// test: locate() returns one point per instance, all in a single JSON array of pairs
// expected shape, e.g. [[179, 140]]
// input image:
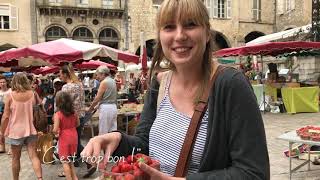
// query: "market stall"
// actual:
[[274, 49], [303, 99]]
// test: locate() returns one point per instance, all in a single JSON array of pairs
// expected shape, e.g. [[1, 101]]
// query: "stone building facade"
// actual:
[[16, 19], [97, 21], [119, 23], [292, 13]]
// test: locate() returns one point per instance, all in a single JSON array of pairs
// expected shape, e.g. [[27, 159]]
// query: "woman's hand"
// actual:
[[107, 142], [157, 175]]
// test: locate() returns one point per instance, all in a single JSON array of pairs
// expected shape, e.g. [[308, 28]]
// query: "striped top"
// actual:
[[167, 136]]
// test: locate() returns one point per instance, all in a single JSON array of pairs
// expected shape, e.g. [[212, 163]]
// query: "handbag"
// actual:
[[192, 132], [40, 120], [45, 148]]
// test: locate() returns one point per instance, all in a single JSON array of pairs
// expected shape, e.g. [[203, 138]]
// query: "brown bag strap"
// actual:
[[192, 132]]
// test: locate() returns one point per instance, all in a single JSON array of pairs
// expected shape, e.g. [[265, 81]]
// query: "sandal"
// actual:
[[61, 174], [40, 178]]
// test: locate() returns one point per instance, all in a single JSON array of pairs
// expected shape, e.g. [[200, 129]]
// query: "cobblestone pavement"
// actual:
[[275, 125]]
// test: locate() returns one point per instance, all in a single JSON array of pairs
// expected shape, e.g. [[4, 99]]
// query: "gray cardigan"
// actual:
[[236, 145]]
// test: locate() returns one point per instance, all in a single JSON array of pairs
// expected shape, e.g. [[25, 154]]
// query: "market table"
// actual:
[[301, 99], [258, 91], [292, 137], [127, 114]]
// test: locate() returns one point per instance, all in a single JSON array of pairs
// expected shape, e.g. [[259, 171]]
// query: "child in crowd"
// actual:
[[48, 102], [65, 123]]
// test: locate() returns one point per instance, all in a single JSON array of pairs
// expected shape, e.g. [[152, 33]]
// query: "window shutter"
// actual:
[[293, 4], [13, 18], [208, 5], [215, 8], [228, 8], [280, 6]]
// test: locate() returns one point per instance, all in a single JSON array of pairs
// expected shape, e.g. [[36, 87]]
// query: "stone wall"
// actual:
[[299, 16], [22, 36]]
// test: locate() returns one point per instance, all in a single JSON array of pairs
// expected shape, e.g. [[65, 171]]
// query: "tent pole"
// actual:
[[263, 91]]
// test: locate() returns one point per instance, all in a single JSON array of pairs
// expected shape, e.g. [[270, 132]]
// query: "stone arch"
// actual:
[[6, 46], [109, 36], [220, 40], [253, 35], [61, 31], [88, 34], [149, 45]]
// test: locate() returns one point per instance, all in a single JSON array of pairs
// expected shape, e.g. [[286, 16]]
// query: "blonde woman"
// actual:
[[17, 123], [230, 143]]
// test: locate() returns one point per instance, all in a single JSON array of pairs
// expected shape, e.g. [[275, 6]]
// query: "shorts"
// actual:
[[22, 141]]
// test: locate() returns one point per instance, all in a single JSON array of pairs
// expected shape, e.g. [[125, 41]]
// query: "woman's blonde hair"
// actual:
[[186, 10], [69, 72], [20, 82]]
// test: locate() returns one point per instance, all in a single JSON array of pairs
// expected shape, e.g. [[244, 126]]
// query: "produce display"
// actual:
[[309, 133], [128, 168], [130, 107]]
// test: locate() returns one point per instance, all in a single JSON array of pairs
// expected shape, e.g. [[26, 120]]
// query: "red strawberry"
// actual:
[[116, 169], [130, 159], [128, 177], [126, 168], [144, 159], [139, 155]]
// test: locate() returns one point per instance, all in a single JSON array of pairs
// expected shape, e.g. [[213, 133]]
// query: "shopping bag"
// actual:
[[45, 148]]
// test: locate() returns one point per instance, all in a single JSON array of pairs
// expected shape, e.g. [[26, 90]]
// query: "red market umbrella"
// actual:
[[63, 50], [93, 65], [269, 49], [46, 70]]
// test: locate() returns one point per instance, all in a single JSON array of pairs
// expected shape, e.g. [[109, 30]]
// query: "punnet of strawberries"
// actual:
[[128, 168], [309, 133]]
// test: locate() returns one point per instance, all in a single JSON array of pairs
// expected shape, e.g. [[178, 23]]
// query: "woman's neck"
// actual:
[[188, 77], [69, 81]]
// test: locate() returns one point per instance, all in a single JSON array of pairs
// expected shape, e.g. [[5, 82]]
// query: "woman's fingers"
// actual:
[[88, 150]]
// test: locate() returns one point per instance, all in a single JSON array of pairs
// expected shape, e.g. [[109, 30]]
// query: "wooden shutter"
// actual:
[[208, 5], [13, 18], [215, 8], [293, 4], [228, 8]]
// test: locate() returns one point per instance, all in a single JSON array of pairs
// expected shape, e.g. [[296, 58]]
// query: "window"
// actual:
[[109, 37], [55, 1], [8, 17], [256, 10], [107, 3], [83, 34], [83, 2], [156, 3], [290, 5], [54, 33], [219, 8]]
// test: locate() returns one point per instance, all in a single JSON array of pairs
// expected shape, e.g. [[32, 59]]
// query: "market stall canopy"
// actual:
[[280, 35], [63, 50], [46, 70], [93, 65], [269, 49]]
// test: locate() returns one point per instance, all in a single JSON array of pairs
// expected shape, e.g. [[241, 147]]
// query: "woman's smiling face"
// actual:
[[183, 42]]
